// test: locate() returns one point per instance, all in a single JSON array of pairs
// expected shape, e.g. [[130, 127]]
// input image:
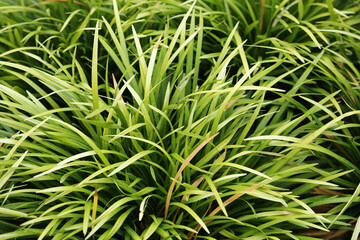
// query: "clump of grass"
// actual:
[[136, 120]]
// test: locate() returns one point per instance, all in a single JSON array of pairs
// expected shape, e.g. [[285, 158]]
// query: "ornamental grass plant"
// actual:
[[174, 119]]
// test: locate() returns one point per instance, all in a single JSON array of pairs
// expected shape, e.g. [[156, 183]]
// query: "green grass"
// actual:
[[161, 120]]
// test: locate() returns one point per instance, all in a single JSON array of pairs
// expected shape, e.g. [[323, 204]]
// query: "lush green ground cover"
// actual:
[[204, 119]]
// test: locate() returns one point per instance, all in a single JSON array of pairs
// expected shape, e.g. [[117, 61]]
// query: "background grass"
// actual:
[[179, 120]]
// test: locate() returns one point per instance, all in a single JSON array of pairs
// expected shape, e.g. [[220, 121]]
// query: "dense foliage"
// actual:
[[131, 119]]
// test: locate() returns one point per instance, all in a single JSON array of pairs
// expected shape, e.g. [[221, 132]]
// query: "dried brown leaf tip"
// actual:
[[324, 191], [182, 167]]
